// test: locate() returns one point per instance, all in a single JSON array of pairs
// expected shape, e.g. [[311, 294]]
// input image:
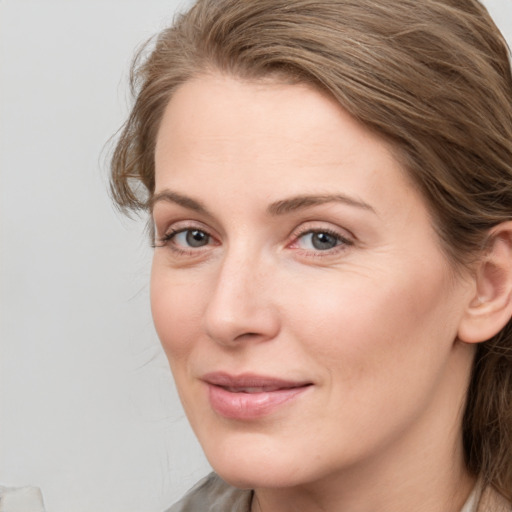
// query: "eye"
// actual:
[[320, 240], [191, 238], [182, 240]]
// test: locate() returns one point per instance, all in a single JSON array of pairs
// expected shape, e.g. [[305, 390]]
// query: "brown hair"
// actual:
[[432, 77]]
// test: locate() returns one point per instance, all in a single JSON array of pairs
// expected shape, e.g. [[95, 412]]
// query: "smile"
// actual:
[[249, 397], [252, 389]]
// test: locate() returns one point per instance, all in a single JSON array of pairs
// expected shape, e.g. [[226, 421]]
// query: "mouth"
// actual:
[[259, 389], [248, 396]]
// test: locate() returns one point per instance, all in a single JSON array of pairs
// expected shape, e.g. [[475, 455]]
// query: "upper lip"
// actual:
[[251, 380]]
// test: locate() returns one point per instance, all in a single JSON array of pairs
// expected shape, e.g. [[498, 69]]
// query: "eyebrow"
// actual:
[[173, 197], [306, 201], [277, 208]]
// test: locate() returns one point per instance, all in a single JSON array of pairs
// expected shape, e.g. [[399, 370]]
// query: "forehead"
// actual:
[[228, 125], [237, 148]]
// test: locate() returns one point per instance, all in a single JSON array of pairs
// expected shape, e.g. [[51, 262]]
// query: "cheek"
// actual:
[[365, 324], [176, 309]]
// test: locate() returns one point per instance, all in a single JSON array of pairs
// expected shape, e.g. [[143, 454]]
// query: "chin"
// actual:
[[266, 476], [257, 463]]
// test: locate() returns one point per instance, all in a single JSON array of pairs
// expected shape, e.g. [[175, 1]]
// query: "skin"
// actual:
[[371, 322]]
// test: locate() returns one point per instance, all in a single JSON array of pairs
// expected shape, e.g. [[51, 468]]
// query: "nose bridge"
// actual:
[[240, 304]]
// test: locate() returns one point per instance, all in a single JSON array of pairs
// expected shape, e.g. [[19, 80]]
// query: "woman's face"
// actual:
[[299, 289]]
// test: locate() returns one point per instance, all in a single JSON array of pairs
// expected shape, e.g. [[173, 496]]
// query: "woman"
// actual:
[[330, 186]]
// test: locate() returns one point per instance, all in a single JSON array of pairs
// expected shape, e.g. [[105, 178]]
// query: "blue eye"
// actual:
[[319, 240], [191, 238]]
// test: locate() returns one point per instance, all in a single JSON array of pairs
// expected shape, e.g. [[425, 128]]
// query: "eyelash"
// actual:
[[342, 241], [164, 241], [341, 245]]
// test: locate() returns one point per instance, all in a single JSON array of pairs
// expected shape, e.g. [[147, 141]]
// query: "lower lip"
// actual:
[[250, 406]]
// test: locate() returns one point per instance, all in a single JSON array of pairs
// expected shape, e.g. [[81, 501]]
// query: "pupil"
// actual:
[[196, 238], [323, 241]]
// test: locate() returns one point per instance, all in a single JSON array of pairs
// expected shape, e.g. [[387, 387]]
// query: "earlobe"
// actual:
[[490, 308]]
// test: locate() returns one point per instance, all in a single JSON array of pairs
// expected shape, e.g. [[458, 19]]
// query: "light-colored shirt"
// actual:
[[212, 494]]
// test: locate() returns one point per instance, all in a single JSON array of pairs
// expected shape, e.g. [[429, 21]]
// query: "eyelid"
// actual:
[[346, 237], [174, 228]]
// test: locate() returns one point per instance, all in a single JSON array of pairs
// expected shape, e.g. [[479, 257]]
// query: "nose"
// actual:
[[241, 306]]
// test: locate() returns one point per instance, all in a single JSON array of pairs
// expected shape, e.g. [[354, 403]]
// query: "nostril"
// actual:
[[247, 335]]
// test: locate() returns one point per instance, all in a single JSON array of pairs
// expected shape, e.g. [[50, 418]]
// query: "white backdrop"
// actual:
[[88, 411]]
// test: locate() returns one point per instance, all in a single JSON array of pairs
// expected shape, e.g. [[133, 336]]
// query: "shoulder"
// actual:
[[212, 494], [492, 501]]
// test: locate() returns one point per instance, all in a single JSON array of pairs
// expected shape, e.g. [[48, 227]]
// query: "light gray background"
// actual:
[[88, 411]]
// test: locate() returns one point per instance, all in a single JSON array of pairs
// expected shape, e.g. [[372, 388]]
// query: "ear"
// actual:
[[490, 308]]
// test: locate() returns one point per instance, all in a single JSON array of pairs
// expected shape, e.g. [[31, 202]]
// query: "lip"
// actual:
[[250, 396]]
